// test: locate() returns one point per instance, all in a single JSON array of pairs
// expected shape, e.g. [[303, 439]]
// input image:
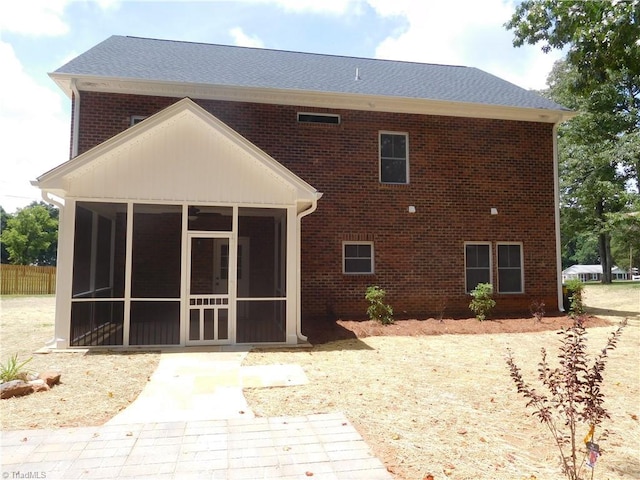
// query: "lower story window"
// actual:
[[510, 268], [477, 259], [357, 257]]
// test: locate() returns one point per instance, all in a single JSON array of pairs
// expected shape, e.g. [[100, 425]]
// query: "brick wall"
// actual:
[[459, 169]]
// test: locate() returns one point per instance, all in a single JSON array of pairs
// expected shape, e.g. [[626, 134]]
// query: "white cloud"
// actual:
[[35, 131], [243, 40], [34, 17], [325, 7], [465, 32]]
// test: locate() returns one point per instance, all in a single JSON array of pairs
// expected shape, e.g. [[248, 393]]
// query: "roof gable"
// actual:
[[182, 153], [123, 63]]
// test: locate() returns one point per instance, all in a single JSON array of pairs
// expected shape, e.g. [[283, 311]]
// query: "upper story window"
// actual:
[[510, 274], [394, 157]]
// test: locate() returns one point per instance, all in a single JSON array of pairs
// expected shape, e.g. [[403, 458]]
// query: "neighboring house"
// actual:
[[222, 194], [592, 273]]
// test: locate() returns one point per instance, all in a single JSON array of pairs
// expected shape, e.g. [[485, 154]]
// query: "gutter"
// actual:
[[556, 194], [75, 127], [301, 215]]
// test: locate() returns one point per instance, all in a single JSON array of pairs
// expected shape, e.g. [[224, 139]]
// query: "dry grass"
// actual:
[[428, 404], [95, 386], [446, 405]]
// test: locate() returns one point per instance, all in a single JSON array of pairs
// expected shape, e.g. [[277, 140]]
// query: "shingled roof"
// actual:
[[172, 62]]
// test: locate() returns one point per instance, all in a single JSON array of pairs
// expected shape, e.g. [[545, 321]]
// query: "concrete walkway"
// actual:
[[192, 421]]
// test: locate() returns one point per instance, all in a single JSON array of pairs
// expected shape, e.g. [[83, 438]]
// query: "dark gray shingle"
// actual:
[[198, 63]]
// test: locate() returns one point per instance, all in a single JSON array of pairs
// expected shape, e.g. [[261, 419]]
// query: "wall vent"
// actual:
[[326, 118]]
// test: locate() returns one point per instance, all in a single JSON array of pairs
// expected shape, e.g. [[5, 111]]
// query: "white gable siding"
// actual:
[[182, 159]]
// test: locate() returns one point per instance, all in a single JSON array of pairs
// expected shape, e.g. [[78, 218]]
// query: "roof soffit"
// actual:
[[310, 99]]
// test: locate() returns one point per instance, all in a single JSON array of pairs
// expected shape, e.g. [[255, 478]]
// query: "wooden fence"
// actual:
[[27, 280]]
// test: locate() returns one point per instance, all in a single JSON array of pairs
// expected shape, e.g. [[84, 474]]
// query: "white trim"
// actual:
[[488, 244], [355, 242], [556, 198], [520, 244], [406, 172], [337, 100]]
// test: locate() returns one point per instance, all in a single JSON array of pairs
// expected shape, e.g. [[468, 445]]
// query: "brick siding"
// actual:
[[459, 169]]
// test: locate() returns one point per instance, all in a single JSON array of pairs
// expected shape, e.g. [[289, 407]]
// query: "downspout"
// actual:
[[556, 192], [301, 215], [75, 127]]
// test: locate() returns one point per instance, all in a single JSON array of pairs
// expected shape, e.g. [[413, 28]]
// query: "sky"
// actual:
[[39, 36]]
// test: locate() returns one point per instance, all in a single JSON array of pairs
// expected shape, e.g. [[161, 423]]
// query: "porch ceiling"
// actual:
[[183, 153]]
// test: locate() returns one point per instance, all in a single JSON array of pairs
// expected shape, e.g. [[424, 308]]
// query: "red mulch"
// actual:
[[323, 331]]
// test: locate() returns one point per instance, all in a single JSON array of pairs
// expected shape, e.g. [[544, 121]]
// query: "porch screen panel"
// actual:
[[210, 219], [261, 275], [261, 321], [99, 250], [156, 251], [96, 323], [154, 323], [97, 303]]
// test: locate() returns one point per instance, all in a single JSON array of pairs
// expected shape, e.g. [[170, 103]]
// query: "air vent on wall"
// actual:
[[326, 118]]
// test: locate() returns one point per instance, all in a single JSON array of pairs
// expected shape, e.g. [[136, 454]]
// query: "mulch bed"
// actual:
[[324, 331]]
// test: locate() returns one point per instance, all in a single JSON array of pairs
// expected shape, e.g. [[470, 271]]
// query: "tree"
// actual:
[[599, 151], [4, 255], [31, 235], [601, 36]]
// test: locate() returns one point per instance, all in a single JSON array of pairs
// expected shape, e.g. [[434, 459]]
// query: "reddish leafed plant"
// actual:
[[573, 397]]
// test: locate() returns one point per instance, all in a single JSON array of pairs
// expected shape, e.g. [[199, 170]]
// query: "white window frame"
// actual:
[[344, 257], [498, 245], [136, 119], [490, 267], [406, 158]]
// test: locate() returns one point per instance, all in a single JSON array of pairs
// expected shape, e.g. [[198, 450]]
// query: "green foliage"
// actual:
[[482, 302], [14, 370], [378, 310], [599, 150], [600, 35], [30, 236], [574, 404], [575, 291], [4, 255]]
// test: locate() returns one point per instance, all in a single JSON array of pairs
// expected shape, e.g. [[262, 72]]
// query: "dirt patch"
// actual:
[[94, 386], [436, 397]]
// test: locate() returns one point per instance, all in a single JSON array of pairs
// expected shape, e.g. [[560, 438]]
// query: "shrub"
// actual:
[[575, 289], [574, 399], [482, 302], [378, 310], [537, 310], [13, 370]]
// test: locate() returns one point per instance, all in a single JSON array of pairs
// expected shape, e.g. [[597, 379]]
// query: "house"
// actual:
[[592, 273], [230, 195]]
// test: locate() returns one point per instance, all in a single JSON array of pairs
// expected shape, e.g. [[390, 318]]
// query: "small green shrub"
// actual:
[[575, 290], [482, 302], [537, 310], [378, 310], [14, 370]]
